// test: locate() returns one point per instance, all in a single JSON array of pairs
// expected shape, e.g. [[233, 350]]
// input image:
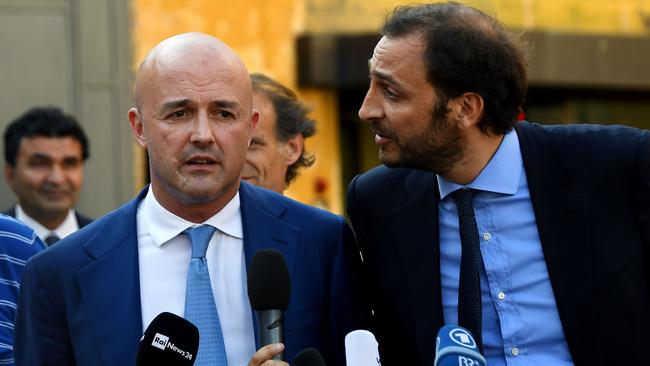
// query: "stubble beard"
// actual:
[[437, 149]]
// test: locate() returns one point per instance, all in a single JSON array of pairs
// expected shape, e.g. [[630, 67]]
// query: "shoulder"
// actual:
[[82, 219], [17, 239], [90, 241], [582, 133], [284, 207], [389, 185]]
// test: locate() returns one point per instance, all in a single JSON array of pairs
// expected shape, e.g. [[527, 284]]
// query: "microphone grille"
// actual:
[[268, 281]]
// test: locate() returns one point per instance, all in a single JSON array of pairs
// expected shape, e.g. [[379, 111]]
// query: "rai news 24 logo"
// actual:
[[162, 342]]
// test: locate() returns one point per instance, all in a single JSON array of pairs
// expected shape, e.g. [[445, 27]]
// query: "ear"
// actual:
[[467, 109], [293, 149], [9, 175], [255, 118], [135, 118]]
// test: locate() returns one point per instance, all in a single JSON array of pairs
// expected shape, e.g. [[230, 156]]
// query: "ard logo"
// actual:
[[462, 337]]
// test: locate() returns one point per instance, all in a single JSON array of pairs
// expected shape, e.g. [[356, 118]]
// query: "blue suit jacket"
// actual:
[[80, 299]]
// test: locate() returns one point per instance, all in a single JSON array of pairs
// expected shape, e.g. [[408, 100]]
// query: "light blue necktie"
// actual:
[[200, 308]]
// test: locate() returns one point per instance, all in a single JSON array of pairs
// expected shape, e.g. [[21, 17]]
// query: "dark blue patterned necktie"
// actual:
[[469, 287]]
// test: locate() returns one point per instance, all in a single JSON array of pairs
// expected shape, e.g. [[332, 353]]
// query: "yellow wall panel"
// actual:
[[607, 16]]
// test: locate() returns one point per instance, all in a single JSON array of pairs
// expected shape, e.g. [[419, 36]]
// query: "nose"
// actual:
[[56, 175], [202, 130], [371, 108]]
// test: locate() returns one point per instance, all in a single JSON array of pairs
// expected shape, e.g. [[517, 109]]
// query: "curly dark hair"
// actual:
[[468, 51], [42, 122], [292, 118]]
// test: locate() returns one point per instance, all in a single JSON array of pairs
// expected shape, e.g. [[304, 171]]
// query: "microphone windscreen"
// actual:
[[168, 340], [456, 346], [361, 349], [268, 281], [308, 357]]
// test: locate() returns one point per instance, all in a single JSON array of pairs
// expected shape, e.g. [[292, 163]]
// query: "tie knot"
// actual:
[[200, 237], [51, 239], [463, 198]]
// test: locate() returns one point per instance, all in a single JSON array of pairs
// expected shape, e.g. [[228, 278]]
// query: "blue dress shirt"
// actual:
[[521, 323]]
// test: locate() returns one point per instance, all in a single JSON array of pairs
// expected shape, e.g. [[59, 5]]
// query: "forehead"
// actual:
[[400, 57], [51, 146], [268, 116], [197, 80]]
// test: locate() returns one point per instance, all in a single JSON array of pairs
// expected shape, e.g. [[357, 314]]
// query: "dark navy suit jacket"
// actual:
[[80, 299], [590, 190]]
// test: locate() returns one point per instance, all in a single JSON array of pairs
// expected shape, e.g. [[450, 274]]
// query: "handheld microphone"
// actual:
[[361, 349], [308, 357], [168, 340], [456, 346], [268, 291]]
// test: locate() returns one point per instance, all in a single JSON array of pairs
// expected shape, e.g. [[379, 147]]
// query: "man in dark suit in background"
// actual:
[[45, 151], [536, 238], [86, 300]]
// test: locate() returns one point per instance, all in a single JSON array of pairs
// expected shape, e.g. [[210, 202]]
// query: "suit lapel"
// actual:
[[263, 229], [110, 287], [416, 223], [560, 212]]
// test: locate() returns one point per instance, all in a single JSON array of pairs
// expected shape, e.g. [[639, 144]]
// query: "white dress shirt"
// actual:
[[67, 227], [164, 257]]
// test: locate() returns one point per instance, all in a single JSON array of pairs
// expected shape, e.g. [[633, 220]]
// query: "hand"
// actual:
[[264, 355]]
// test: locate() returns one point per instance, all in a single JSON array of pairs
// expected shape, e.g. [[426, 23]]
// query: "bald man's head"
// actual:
[[186, 51], [194, 116]]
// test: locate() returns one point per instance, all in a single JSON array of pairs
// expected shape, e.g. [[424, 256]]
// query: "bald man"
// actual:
[[87, 300]]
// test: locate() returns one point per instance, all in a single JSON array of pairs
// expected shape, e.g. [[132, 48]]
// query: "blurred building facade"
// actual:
[[589, 63]]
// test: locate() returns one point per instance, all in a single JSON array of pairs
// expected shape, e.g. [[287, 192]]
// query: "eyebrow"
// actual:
[[39, 155], [382, 75], [175, 104], [225, 104]]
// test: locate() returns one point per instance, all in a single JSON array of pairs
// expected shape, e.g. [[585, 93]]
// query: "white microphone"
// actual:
[[361, 349]]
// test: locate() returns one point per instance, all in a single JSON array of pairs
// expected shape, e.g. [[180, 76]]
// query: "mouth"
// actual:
[[201, 162], [55, 195], [380, 136]]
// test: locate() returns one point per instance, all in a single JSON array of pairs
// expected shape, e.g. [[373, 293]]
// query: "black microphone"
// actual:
[[268, 291], [169, 340], [308, 357]]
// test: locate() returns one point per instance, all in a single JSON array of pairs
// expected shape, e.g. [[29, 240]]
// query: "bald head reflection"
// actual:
[[188, 51]]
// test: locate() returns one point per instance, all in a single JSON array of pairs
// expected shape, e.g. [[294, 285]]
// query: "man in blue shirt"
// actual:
[[17, 244], [554, 227]]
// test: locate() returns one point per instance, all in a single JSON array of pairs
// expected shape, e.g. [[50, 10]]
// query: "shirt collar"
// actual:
[[500, 175], [163, 225], [67, 227]]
